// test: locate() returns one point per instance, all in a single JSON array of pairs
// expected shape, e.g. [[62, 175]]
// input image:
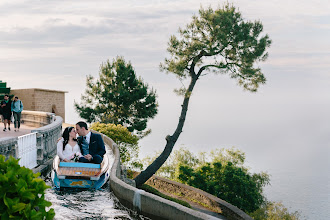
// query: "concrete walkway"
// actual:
[[23, 130]]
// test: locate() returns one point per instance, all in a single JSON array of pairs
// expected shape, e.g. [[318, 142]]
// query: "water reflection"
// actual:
[[88, 204]]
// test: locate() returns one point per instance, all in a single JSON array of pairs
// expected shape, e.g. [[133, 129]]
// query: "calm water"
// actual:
[[304, 186]]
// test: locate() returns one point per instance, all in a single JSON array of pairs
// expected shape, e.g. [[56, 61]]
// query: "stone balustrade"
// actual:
[[47, 137], [8, 147], [48, 131], [37, 119]]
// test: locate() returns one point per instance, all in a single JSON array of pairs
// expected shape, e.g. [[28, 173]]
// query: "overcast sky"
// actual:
[[55, 44]]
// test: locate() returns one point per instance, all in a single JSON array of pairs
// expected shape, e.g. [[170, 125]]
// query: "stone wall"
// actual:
[[36, 119], [146, 203], [230, 211], [46, 139], [42, 100], [8, 147]]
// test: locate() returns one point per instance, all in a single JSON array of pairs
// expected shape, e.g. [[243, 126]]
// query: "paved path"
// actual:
[[23, 130]]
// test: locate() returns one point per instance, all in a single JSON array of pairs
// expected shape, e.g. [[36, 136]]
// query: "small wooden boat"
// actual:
[[80, 175]]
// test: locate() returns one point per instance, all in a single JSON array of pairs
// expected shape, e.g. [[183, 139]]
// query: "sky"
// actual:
[[285, 125]]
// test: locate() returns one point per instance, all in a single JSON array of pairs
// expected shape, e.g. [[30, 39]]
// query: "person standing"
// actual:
[[91, 144], [6, 112], [17, 108]]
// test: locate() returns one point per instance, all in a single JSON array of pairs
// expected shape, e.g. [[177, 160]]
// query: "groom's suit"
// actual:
[[96, 148]]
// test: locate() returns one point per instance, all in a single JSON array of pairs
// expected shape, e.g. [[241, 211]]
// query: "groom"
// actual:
[[91, 144]]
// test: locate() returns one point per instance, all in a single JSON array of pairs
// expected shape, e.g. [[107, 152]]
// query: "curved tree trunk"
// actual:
[[170, 140]]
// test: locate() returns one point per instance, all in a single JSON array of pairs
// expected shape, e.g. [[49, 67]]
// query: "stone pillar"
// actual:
[[47, 137], [8, 147]]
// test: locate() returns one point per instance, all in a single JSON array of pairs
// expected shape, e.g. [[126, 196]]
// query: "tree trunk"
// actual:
[[170, 140]]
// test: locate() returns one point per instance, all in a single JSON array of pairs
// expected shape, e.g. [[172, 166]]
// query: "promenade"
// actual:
[[22, 131]]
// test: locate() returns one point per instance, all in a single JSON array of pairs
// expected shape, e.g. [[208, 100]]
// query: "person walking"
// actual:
[[6, 112], [17, 108]]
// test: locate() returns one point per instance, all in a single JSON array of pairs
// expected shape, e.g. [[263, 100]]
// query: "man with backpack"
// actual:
[[17, 108]]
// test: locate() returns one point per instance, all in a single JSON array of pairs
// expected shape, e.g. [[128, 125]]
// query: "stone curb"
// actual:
[[44, 169], [146, 203]]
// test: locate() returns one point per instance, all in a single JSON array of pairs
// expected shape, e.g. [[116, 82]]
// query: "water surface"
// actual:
[[88, 204]]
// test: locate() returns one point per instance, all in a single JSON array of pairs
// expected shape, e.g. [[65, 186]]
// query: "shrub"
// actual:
[[228, 182], [274, 211], [126, 141], [222, 174], [22, 193]]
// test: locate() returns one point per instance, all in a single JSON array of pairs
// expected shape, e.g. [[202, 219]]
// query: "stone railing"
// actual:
[[146, 203], [8, 147], [37, 119], [50, 127], [47, 137]]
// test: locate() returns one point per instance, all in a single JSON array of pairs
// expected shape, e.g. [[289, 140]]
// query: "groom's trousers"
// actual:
[[96, 159]]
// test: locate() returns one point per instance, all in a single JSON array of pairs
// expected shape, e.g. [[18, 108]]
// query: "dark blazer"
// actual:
[[96, 145]]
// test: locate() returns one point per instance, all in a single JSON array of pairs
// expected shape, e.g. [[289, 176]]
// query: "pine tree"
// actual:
[[118, 97], [217, 41]]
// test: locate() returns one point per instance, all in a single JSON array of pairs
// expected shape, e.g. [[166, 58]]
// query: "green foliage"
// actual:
[[228, 182], [22, 193], [170, 168], [118, 97], [118, 133], [219, 41], [126, 141], [154, 191], [274, 211], [221, 173], [232, 155]]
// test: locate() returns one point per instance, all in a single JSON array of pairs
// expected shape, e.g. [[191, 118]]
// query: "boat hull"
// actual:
[[79, 183], [79, 175]]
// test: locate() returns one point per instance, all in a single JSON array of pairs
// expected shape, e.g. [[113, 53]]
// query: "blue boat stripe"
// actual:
[[84, 165]]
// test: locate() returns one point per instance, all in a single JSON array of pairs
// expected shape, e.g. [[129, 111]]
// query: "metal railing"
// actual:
[[27, 150]]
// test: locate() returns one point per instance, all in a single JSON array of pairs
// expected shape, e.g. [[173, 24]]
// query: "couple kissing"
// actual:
[[88, 147]]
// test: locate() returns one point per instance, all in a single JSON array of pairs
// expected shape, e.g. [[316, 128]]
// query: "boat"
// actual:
[[80, 175]]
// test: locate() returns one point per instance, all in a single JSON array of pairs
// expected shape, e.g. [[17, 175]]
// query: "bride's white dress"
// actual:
[[68, 152]]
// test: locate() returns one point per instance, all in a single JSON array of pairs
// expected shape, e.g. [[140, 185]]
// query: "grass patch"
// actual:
[[205, 205], [154, 191]]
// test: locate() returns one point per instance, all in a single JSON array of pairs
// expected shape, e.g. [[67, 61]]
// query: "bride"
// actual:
[[67, 147]]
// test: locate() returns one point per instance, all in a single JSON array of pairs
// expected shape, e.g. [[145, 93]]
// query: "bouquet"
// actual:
[[75, 157]]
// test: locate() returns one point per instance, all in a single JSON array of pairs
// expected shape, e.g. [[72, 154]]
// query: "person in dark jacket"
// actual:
[[91, 144], [6, 112]]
